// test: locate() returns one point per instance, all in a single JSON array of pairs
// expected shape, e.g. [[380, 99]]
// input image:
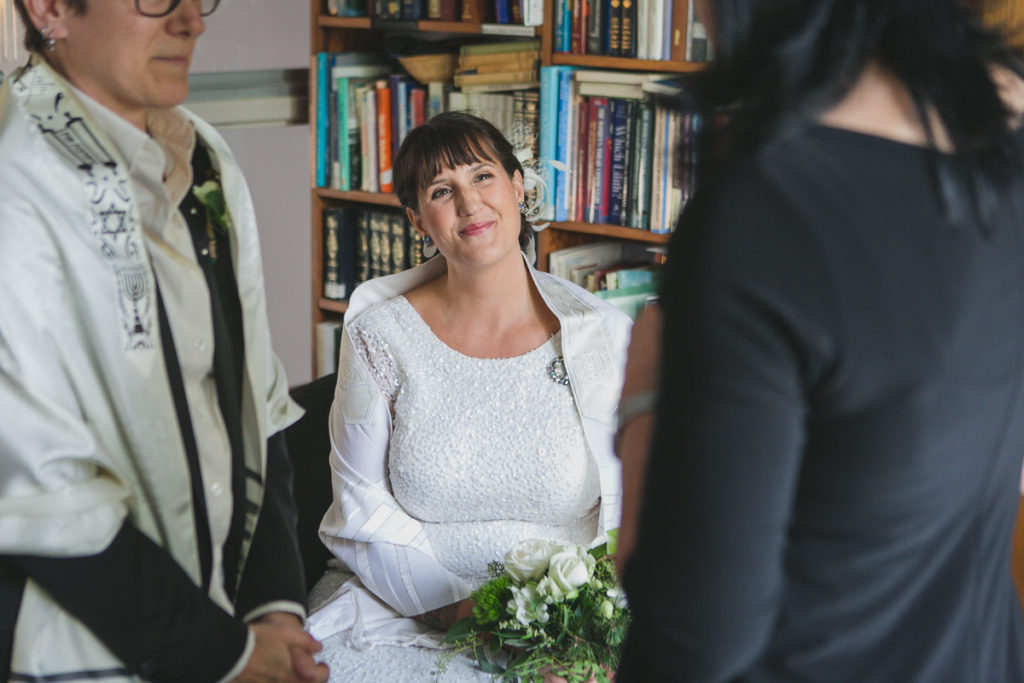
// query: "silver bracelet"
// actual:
[[634, 406]]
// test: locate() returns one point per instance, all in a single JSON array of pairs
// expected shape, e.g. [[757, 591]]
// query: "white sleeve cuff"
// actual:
[[277, 606]]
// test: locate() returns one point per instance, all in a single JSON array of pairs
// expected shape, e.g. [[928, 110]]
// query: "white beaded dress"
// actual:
[[483, 452]]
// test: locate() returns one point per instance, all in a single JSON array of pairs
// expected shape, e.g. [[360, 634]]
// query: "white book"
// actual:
[[642, 23], [326, 348], [602, 76], [533, 12], [622, 91], [371, 179], [655, 28]]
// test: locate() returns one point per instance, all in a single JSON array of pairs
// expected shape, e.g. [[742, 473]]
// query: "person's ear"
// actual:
[[417, 222], [517, 183], [49, 14]]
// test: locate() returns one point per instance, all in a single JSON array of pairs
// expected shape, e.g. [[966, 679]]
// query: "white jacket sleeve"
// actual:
[[365, 527]]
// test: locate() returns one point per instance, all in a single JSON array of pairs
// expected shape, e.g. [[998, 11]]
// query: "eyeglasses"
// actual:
[[161, 8]]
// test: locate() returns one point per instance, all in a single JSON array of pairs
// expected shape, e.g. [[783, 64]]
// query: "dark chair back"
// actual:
[[309, 445]]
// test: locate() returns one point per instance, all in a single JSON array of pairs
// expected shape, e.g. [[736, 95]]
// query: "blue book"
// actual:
[[323, 86], [666, 36], [502, 12], [617, 191], [548, 134], [563, 25], [562, 144]]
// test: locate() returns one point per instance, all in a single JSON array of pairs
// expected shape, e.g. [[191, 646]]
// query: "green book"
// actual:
[[504, 46]]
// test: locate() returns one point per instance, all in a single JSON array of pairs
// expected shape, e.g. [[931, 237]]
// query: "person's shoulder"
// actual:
[[380, 316]]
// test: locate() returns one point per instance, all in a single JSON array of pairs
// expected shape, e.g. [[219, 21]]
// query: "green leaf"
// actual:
[[460, 630]]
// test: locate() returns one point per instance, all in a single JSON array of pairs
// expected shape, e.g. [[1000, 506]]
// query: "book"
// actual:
[[583, 137], [598, 134], [364, 255], [346, 79], [627, 39], [437, 98], [434, 9], [328, 343], [518, 76], [617, 180], [605, 76], [566, 136], [399, 249], [502, 12], [477, 11], [503, 46], [631, 300], [596, 27], [696, 36], [627, 91], [322, 64], [563, 24], [450, 10], [548, 133], [533, 12], [639, 214], [332, 287], [368, 139], [417, 106], [666, 28], [384, 136], [379, 240], [641, 28], [511, 62], [613, 37], [658, 167], [677, 41], [498, 87], [630, 107]]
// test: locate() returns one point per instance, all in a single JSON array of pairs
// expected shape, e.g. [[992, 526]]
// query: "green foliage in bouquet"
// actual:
[[548, 608]]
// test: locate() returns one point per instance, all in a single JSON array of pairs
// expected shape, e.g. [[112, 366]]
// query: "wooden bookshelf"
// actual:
[[343, 34]]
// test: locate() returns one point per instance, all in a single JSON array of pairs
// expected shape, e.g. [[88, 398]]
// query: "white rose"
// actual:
[[550, 591], [527, 606], [571, 568], [528, 560], [618, 597]]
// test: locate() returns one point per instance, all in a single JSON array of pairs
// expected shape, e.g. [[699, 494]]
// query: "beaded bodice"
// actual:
[[484, 452]]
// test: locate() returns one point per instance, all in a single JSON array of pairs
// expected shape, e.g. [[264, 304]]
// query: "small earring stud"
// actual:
[[51, 42]]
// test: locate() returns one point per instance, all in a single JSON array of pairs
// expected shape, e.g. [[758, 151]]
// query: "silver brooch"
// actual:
[[556, 371]]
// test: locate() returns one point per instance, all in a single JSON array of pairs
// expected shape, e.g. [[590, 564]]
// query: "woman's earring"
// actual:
[[51, 42], [523, 207], [429, 248]]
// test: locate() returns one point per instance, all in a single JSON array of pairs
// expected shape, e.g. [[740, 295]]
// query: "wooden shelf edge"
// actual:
[[332, 305], [603, 62], [330, 21], [380, 198], [616, 231]]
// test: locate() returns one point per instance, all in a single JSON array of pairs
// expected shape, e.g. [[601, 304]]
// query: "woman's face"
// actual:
[[471, 212], [126, 61]]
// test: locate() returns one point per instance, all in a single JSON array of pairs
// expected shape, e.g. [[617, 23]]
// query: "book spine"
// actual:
[[614, 34], [640, 215], [655, 9], [434, 9], [667, 13], [677, 41], [560, 33], [616, 189], [627, 38], [596, 27], [418, 106], [353, 8], [354, 143], [629, 171], [435, 98], [597, 114], [346, 251], [516, 7], [449, 10], [640, 29], [399, 251], [322, 78], [364, 256], [657, 169], [605, 167], [344, 181], [581, 159], [384, 136], [577, 32], [399, 112], [496, 77], [378, 229], [506, 61], [502, 12], [566, 132], [332, 287], [371, 181], [548, 134], [332, 170]]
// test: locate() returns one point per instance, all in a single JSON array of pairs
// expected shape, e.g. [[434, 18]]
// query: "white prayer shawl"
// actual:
[[89, 433], [368, 530]]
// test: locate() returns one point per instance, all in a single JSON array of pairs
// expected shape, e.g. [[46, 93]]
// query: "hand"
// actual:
[[642, 365], [283, 653]]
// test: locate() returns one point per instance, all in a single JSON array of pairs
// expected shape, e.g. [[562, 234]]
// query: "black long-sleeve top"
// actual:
[[834, 472]]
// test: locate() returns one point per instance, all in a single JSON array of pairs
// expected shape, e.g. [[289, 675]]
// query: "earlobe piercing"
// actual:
[[51, 42]]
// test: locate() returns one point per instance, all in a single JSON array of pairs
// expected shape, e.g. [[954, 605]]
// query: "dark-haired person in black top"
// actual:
[[833, 469]]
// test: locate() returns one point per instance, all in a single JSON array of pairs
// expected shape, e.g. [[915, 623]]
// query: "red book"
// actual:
[[384, 136], [582, 177], [418, 102]]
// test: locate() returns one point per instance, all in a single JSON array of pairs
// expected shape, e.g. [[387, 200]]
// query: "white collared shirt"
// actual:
[[160, 170]]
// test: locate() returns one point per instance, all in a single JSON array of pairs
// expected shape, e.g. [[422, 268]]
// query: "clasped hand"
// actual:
[[283, 653]]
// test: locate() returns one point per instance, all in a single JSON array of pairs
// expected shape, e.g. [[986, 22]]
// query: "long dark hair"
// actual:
[[780, 62]]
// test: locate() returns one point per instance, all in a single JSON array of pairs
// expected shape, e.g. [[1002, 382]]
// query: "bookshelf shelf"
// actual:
[[324, 21], [332, 305], [624, 63], [378, 198], [615, 231]]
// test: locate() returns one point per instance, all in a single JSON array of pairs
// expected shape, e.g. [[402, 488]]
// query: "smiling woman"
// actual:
[[474, 407]]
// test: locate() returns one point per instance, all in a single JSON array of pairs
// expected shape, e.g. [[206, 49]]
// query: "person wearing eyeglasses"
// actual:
[[147, 528]]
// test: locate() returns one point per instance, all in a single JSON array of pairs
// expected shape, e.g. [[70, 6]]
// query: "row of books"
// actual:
[[620, 157], [518, 12], [364, 112], [503, 66], [360, 244], [644, 29], [624, 274]]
